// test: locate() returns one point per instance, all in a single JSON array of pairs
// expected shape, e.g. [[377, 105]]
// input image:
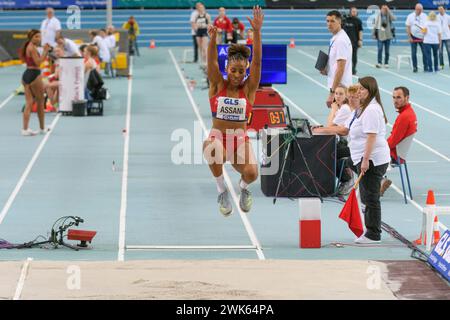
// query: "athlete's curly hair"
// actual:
[[238, 52]]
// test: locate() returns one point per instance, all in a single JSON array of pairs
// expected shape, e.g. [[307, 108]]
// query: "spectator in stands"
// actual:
[[107, 43], [404, 126], [414, 25], [112, 46], [202, 21], [100, 42], [346, 101], [354, 29], [133, 31], [194, 15], [445, 25], [432, 42], [49, 28], [32, 81], [339, 67], [238, 30], [382, 32], [224, 27], [249, 36], [90, 55], [70, 48], [52, 85], [369, 152]]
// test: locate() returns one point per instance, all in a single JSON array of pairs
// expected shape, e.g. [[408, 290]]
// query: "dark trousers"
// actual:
[[133, 47], [386, 44], [194, 37], [354, 57], [446, 44], [369, 188], [342, 153], [431, 56], [414, 52]]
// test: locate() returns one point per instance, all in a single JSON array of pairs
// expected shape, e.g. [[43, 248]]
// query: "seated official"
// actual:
[[404, 126], [70, 48], [345, 102]]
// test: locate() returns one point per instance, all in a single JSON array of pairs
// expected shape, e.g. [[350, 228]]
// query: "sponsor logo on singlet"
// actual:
[[232, 109]]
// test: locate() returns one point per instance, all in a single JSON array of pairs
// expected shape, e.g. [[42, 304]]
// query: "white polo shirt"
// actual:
[[370, 121], [445, 21], [193, 19], [111, 41], [103, 50], [342, 115], [433, 31], [340, 49], [71, 48], [416, 22], [49, 28]]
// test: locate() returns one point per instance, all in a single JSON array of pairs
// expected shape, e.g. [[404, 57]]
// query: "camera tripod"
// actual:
[[292, 141], [57, 234]]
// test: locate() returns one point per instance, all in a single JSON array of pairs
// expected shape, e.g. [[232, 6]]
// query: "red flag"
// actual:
[[350, 214]]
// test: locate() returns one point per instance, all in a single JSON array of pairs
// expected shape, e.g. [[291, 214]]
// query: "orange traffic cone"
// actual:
[[436, 234], [292, 43], [152, 44]]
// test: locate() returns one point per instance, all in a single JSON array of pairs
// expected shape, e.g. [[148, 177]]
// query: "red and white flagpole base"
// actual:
[[310, 222]]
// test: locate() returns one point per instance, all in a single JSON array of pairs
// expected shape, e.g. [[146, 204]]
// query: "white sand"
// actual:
[[199, 279]]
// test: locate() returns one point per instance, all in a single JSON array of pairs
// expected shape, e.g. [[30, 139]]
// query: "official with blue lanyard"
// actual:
[[370, 154]]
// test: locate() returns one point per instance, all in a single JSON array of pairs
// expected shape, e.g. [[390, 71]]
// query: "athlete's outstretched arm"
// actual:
[[255, 67], [214, 75]]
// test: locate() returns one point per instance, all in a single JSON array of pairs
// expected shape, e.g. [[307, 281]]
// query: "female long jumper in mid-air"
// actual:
[[231, 101]]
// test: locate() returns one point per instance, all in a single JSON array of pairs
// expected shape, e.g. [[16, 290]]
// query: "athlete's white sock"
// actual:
[[243, 184], [221, 184]]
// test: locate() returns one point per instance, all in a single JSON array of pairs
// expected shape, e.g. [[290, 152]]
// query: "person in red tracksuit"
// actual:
[[224, 27], [404, 126]]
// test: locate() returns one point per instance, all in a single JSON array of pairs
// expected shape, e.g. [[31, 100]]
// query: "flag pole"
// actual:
[[357, 181]]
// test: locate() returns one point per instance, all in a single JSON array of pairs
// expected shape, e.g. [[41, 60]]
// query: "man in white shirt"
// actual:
[[444, 19], [415, 23], [71, 49], [339, 67], [49, 28], [103, 51], [192, 20]]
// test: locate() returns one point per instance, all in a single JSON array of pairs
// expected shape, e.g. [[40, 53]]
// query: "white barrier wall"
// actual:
[[71, 82]]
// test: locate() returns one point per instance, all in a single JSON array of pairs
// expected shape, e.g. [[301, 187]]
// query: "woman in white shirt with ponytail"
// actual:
[[369, 152]]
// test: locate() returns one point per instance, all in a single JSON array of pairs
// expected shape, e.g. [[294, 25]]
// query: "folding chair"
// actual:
[[402, 153]]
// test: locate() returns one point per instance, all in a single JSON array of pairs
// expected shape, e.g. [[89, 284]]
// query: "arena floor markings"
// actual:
[[171, 209]]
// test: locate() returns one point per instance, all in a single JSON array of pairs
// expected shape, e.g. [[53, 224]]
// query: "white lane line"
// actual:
[[422, 161], [314, 121], [23, 277], [124, 193], [393, 185], [324, 87], [27, 171], [7, 100], [248, 226], [418, 56], [382, 89], [415, 204], [180, 248], [436, 194], [407, 79]]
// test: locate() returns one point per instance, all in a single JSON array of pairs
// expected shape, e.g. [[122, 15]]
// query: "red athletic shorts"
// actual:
[[233, 141]]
